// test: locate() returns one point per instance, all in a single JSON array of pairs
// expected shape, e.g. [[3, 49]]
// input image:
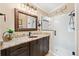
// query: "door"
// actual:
[[64, 39]]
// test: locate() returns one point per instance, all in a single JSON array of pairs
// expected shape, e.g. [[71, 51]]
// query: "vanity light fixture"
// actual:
[[28, 7]]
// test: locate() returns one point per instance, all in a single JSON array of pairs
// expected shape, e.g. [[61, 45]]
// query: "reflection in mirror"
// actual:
[[22, 21], [26, 21], [31, 23]]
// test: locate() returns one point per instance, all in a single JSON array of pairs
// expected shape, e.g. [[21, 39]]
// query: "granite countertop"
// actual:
[[17, 41]]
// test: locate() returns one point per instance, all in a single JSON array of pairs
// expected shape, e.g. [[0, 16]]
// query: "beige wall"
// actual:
[[8, 9]]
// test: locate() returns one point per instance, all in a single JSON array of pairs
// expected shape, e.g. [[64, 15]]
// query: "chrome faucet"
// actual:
[[30, 34]]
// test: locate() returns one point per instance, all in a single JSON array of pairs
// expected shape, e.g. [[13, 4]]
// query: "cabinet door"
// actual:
[[45, 45], [34, 48], [41, 46]]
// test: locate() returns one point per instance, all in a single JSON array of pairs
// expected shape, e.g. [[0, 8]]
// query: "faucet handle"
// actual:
[[30, 33]]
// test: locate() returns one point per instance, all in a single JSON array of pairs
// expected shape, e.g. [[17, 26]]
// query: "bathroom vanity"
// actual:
[[34, 46]]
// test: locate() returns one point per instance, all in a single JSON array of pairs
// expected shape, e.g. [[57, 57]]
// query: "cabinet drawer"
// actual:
[[19, 52], [22, 49], [12, 49]]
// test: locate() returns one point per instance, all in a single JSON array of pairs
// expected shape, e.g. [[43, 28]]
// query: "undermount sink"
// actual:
[[33, 36]]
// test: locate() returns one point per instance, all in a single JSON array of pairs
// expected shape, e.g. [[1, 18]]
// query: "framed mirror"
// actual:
[[24, 21]]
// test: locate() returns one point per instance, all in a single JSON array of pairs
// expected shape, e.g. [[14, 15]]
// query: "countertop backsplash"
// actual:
[[21, 34]]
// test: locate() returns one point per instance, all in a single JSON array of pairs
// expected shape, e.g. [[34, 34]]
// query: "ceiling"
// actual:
[[48, 7]]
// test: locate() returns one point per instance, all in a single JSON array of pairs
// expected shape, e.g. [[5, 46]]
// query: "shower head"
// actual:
[[72, 14]]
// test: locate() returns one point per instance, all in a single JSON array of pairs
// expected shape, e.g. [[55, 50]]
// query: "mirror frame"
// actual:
[[16, 23]]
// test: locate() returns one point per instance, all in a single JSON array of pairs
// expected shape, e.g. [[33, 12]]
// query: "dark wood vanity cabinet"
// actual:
[[39, 47]]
